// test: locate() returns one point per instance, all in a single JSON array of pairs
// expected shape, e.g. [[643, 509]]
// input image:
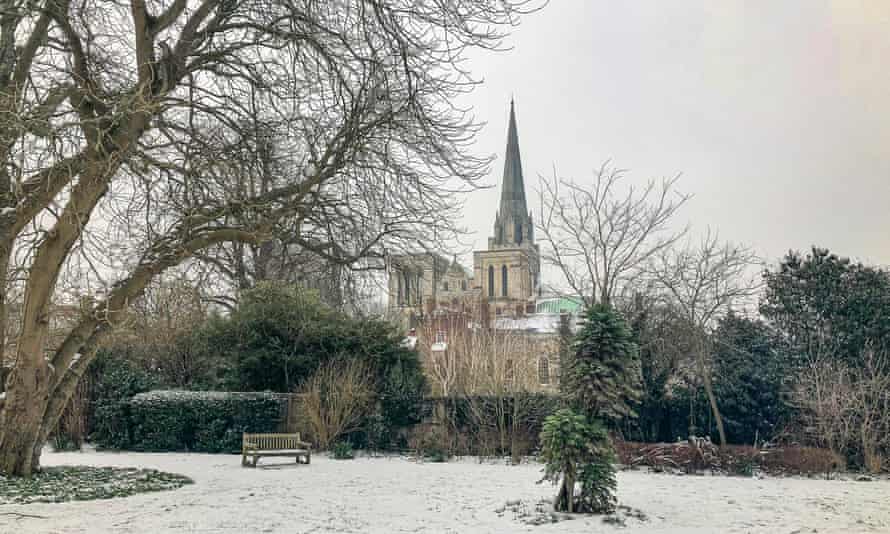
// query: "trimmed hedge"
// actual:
[[196, 421]]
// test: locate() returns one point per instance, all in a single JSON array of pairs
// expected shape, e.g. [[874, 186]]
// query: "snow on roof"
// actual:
[[539, 323]]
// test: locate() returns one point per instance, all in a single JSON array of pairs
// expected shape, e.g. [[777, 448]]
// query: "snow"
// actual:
[[383, 495]]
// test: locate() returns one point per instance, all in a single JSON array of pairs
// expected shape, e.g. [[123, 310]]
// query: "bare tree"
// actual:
[[500, 376], [446, 344], [702, 283], [160, 332], [600, 237], [848, 408], [126, 126], [497, 373]]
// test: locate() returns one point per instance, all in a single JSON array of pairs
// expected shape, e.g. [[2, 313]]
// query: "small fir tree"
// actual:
[[602, 376], [577, 451]]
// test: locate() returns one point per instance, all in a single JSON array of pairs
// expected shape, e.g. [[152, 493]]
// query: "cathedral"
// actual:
[[505, 280]]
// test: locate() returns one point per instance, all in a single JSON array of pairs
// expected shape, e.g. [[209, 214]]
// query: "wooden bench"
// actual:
[[259, 445]]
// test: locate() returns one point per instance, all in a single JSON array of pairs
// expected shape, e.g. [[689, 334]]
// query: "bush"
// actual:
[[280, 335], [115, 382], [848, 408], [376, 432], [575, 450], [194, 421], [335, 399], [342, 450], [433, 443]]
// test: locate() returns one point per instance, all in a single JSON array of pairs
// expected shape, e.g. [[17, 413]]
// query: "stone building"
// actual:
[[505, 280]]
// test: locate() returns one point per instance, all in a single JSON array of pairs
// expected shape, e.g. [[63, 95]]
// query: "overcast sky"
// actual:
[[777, 114]]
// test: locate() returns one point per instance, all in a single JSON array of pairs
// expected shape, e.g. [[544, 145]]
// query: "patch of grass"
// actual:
[[82, 483]]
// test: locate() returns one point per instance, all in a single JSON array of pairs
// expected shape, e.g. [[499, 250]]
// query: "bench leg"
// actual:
[[243, 460], [256, 458]]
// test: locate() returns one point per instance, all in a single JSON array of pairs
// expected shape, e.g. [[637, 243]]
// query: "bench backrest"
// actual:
[[271, 442]]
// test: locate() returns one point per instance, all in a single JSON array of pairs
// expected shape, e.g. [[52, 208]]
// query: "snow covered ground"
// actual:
[[389, 495]]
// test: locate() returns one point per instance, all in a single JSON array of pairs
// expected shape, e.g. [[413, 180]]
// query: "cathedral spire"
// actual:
[[513, 187], [512, 224]]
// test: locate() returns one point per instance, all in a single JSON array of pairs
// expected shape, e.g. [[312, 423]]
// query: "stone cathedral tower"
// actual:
[[508, 273], [506, 276]]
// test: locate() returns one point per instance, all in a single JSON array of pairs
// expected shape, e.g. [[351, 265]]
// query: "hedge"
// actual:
[[196, 421]]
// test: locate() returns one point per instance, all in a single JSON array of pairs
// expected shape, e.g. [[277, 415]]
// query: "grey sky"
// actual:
[[776, 113]]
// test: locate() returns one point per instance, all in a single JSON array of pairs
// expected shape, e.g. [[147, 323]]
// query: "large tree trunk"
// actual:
[[22, 421]]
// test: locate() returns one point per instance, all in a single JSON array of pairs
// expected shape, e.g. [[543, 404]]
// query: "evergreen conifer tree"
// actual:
[[602, 376]]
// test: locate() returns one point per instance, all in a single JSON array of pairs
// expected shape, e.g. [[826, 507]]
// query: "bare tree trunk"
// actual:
[[712, 399], [566, 496], [5, 252]]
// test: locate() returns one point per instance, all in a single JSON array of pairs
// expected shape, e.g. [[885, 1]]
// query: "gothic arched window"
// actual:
[[544, 370], [490, 280], [518, 235], [504, 281]]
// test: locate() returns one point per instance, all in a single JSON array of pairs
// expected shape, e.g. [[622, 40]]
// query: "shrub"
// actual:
[[195, 421], [433, 443], [280, 334], [848, 408], [575, 450], [402, 392], [335, 399], [797, 460], [376, 432], [342, 450], [114, 382]]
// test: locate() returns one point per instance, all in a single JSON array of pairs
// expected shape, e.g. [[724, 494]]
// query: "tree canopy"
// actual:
[[137, 135], [825, 305]]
